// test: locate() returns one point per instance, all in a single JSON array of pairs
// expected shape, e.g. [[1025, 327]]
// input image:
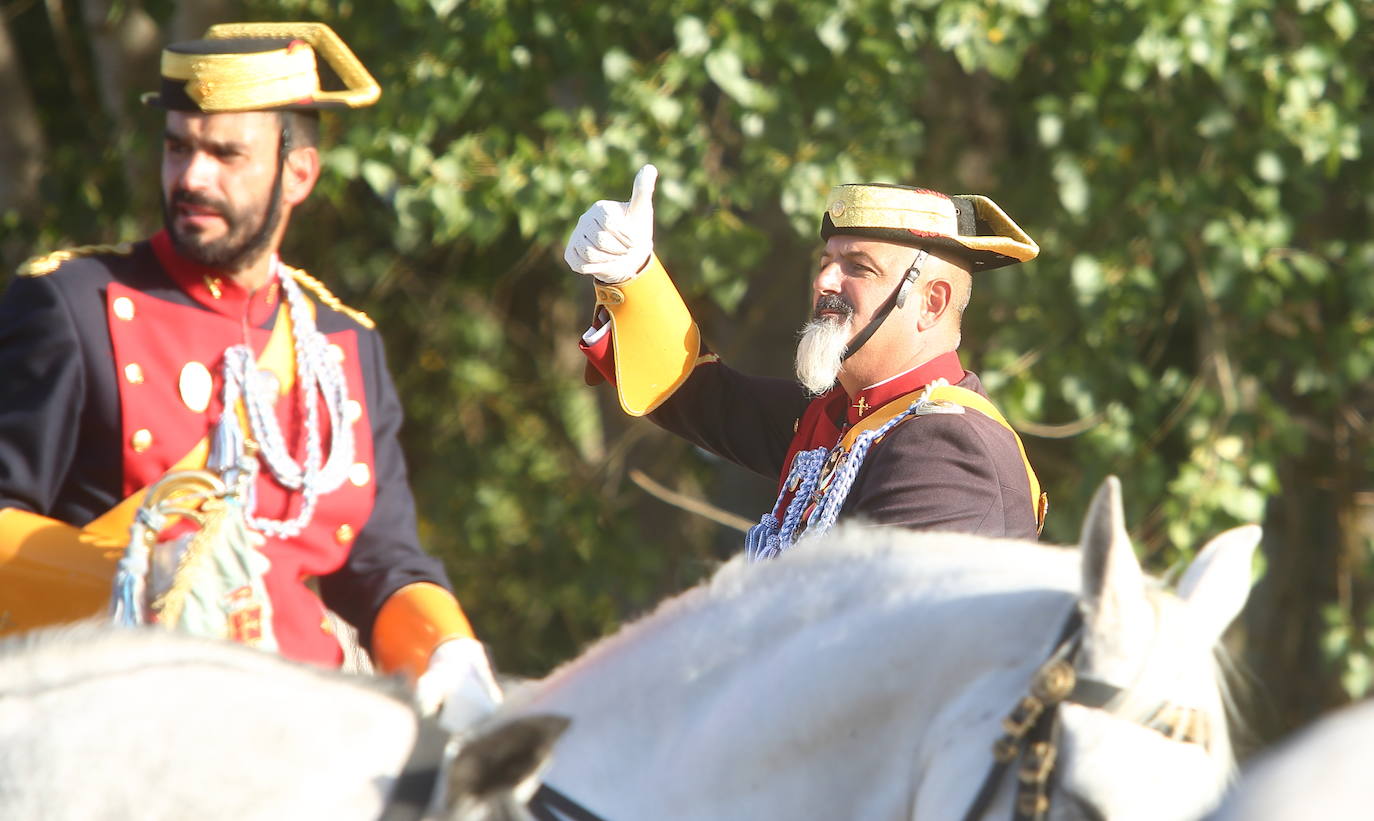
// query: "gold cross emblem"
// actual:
[[862, 405]]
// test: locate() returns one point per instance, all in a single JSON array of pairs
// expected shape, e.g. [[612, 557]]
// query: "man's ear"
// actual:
[[936, 301], [299, 175]]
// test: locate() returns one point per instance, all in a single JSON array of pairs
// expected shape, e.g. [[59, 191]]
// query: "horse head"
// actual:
[[1144, 733], [494, 771]]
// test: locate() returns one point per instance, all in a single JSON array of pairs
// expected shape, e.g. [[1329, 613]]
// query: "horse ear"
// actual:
[[1116, 614], [1217, 583], [495, 772]]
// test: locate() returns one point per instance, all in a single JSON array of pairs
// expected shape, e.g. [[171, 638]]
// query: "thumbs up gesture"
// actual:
[[613, 240]]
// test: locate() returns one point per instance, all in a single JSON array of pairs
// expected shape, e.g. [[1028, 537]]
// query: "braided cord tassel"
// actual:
[[768, 538], [131, 574], [317, 375]]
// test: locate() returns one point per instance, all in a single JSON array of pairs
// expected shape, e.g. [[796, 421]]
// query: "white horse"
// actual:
[[120, 723], [1323, 772], [860, 676], [867, 677]]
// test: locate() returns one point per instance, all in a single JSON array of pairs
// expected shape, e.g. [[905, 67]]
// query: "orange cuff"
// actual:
[[412, 622]]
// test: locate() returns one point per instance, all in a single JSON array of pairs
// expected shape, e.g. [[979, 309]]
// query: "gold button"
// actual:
[[141, 440], [124, 308], [359, 474], [606, 295], [837, 209], [353, 411], [344, 534], [336, 352], [195, 386], [133, 372]]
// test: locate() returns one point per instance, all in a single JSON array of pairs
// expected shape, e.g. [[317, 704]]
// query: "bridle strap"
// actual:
[[987, 790], [414, 787], [1025, 730], [1091, 692], [896, 300], [549, 804]]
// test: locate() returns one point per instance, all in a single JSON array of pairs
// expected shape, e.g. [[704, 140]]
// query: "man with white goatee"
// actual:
[[883, 424]]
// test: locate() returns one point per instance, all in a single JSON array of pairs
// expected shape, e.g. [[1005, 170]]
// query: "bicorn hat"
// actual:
[[968, 226], [262, 67]]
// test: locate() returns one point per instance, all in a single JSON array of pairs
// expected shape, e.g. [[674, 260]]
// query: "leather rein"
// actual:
[[1032, 729]]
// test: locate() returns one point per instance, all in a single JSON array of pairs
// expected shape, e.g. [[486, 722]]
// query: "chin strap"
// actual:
[[897, 300]]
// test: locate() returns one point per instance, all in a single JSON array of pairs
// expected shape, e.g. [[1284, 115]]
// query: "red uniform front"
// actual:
[[129, 344]]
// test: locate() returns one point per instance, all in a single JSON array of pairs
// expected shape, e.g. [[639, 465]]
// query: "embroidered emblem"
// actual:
[[862, 406], [926, 407], [245, 615]]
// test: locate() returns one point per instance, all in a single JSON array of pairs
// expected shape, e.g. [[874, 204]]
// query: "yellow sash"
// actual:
[[965, 398]]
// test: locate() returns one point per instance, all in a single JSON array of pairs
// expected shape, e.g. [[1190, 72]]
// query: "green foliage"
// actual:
[[1198, 322]]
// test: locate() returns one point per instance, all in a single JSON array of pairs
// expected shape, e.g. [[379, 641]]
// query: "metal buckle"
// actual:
[[1023, 716], [1039, 763], [1054, 681]]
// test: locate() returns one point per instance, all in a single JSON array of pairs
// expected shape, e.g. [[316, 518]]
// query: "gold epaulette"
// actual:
[[47, 263], [326, 296]]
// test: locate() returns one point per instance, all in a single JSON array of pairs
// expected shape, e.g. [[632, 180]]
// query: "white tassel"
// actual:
[[131, 577], [226, 445]]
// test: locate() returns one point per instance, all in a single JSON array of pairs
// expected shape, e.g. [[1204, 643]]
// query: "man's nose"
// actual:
[[197, 173], [827, 279]]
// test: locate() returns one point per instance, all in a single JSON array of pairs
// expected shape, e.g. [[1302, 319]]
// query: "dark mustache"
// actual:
[[195, 198], [832, 302]]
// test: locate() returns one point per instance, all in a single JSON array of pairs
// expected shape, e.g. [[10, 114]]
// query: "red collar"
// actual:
[[945, 366], [212, 288]]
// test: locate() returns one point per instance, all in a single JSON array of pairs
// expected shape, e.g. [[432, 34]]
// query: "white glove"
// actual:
[[458, 685], [613, 240]]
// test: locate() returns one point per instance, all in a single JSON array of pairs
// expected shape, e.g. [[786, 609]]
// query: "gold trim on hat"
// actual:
[[361, 88], [245, 82], [1011, 240], [858, 206], [881, 206]]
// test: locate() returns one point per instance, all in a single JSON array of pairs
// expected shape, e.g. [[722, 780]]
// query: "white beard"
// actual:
[[820, 353]]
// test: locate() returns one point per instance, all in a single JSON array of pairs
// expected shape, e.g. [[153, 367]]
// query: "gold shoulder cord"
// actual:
[[327, 298], [47, 263]]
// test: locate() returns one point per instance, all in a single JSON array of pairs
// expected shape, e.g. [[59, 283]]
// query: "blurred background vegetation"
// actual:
[[1199, 174]]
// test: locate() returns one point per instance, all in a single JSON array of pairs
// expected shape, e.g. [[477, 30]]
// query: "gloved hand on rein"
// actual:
[[613, 240], [458, 685]]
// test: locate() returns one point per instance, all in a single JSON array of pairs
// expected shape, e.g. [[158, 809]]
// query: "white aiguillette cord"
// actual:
[[317, 375]]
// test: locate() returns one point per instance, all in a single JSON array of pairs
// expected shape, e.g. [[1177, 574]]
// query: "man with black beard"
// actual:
[[199, 348], [883, 423]]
